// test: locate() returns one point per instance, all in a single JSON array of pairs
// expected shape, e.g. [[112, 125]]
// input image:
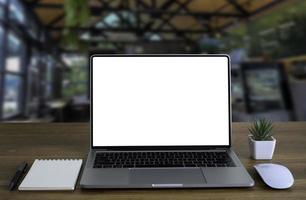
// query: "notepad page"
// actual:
[[52, 175]]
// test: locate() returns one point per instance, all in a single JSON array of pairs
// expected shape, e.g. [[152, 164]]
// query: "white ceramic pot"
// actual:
[[262, 150]]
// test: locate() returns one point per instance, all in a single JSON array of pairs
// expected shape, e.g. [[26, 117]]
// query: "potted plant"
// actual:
[[261, 140]]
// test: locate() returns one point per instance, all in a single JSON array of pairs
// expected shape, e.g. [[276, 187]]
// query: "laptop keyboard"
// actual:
[[161, 159]]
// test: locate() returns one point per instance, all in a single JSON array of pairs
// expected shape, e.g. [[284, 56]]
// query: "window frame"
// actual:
[[9, 28], [21, 75], [30, 38], [2, 58]]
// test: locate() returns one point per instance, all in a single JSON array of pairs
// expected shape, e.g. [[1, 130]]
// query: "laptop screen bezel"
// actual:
[[135, 148]]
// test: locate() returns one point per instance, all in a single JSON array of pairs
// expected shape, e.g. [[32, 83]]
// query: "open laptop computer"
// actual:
[[161, 121]]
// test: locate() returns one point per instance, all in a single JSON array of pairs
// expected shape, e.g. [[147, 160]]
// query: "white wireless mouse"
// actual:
[[274, 175]]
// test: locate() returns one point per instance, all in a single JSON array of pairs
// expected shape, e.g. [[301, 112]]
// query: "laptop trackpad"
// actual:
[[166, 177]]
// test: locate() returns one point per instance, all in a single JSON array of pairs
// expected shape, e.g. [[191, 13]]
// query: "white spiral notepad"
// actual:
[[52, 175]]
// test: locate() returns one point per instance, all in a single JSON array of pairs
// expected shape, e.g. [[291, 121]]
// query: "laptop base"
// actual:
[[189, 177]]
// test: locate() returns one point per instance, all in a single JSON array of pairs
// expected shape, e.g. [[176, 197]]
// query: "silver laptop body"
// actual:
[[165, 105]]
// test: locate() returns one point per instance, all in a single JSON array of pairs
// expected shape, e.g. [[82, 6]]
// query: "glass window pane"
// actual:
[[34, 76], [33, 28], [1, 46], [16, 11], [33, 84], [1, 35], [12, 92], [264, 90], [49, 76], [76, 81], [1, 10], [14, 56], [263, 84]]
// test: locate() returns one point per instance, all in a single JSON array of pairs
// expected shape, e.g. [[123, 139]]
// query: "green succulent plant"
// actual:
[[261, 130]]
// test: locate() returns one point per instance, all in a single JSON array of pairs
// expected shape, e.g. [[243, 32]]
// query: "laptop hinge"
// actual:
[[210, 148]]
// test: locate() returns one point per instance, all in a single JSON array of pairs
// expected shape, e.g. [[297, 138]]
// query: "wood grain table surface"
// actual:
[[26, 142]]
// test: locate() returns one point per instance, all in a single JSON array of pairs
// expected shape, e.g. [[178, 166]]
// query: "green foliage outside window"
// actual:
[[77, 14], [75, 81], [249, 35]]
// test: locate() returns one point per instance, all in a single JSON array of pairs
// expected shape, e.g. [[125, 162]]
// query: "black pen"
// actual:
[[20, 170]]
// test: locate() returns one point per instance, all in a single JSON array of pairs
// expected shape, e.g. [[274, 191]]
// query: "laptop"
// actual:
[[161, 121]]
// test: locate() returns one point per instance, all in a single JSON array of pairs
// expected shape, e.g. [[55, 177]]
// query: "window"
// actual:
[[1, 36], [34, 84], [16, 11], [13, 78], [1, 53], [16, 67], [75, 82], [49, 77], [34, 76], [11, 105], [33, 28], [2, 3], [13, 59]]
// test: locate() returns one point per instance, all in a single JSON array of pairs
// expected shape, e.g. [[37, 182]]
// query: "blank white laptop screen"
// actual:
[[160, 101]]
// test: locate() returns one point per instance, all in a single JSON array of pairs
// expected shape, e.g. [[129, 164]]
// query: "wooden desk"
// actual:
[[19, 142]]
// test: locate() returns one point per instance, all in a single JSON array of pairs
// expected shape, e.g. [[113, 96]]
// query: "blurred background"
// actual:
[[45, 46]]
